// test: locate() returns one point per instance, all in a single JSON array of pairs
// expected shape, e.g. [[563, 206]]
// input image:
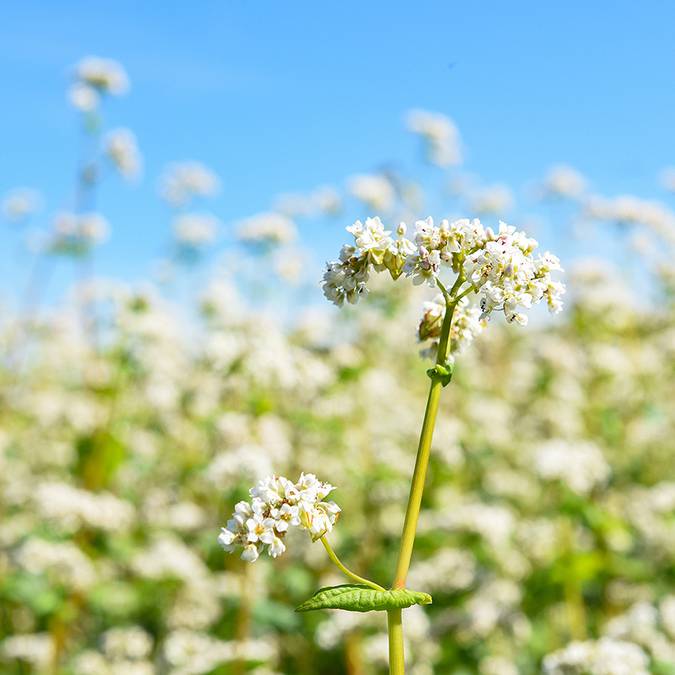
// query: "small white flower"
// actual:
[[104, 75], [276, 505], [250, 553], [121, 148], [83, 97], [440, 135], [267, 228]]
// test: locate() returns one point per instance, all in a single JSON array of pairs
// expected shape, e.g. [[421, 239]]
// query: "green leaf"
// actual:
[[360, 598]]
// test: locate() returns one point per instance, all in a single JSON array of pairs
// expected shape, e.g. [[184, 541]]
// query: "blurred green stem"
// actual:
[[396, 663], [574, 599], [243, 618]]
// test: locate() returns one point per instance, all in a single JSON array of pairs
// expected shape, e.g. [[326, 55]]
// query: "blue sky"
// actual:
[[285, 96]]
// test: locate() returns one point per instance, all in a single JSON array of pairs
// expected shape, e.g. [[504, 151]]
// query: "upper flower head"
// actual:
[[500, 268]]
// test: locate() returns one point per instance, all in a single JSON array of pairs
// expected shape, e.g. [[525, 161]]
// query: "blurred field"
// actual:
[[132, 418]]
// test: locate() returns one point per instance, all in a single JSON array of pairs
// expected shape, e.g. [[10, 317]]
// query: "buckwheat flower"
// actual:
[[423, 266], [121, 148], [603, 657], [374, 250], [440, 135], [276, 505], [327, 200], [195, 229], [20, 203], [184, 181], [104, 75], [86, 228], [508, 277], [492, 200], [371, 239], [374, 190], [83, 97], [129, 642], [500, 268], [580, 464], [563, 181], [34, 648], [268, 228]]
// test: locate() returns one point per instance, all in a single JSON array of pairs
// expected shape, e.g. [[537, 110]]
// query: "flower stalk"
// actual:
[[345, 570], [394, 623]]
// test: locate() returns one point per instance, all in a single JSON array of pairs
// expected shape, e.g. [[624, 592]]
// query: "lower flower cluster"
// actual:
[[277, 504]]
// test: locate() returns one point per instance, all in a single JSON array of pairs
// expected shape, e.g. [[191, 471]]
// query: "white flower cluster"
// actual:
[[267, 228], [95, 77], [603, 657], [86, 229], [73, 507], [629, 210], [121, 148], [492, 200], [276, 505], [440, 135], [500, 267], [374, 190], [20, 204], [580, 465], [196, 229], [184, 181], [563, 182], [324, 200]]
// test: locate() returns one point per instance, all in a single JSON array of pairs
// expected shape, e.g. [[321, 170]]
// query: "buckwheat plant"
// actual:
[[478, 272]]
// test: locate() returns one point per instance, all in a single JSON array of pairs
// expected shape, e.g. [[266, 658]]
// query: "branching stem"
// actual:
[[345, 570]]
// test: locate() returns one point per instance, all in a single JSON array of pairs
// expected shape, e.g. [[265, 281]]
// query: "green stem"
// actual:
[[395, 629], [395, 626], [346, 571], [423, 451]]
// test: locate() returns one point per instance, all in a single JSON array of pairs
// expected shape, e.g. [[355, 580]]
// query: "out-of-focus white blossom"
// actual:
[[184, 181], [267, 228], [440, 135], [72, 507], [374, 190], [323, 200], [122, 149], [195, 229], [493, 200], [276, 505], [578, 464], [104, 75], [127, 642], [61, 562], [34, 648], [20, 203], [86, 228], [563, 181], [83, 97], [602, 657], [630, 210]]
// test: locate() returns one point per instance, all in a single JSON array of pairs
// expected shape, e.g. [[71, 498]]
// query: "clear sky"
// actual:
[[284, 96]]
